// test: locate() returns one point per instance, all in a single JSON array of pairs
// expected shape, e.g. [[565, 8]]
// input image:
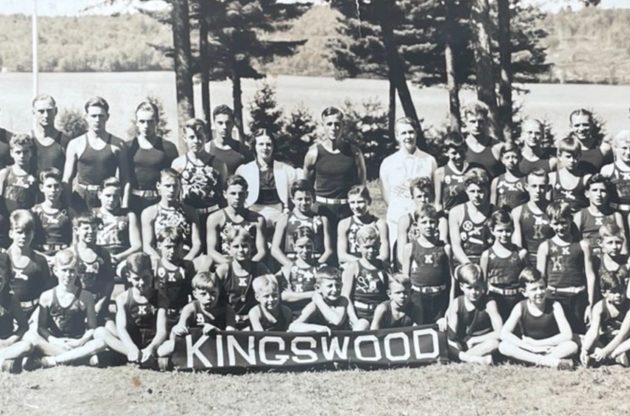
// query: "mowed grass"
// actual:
[[450, 389]]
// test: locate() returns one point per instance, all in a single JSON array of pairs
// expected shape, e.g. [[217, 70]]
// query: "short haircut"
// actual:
[[581, 112], [541, 126], [477, 176], [570, 145], [454, 141], [22, 219], [500, 217], [509, 146], [399, 279], [428, 211], [265, 281], [169, 173], [538, 172], [303, 232], [174, 234], [407, 121], [612, 282], [97, 102], [236, 180], [239, 234], [44, 97], [21, 140], [621, 136], [205, 281], [328, 273], [149, 106], [475, 108], [262, 132], [110, 182], [222, 110], [198, 126], [332, 111], [611, 229], [368, 234], [302, 185], [559, 210], [65, 257], [362, 191], [139, 263], [424, 185], [50, 173], [469, 273], [598, 178], [84, 218], [529, 275]]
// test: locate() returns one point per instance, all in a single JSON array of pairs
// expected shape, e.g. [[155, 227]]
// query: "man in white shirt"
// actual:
[[399, 169]]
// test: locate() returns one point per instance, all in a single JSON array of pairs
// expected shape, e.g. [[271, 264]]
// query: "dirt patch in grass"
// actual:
[[439, 389]]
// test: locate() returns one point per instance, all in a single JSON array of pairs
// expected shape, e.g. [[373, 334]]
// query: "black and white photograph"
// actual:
[[325, 207]]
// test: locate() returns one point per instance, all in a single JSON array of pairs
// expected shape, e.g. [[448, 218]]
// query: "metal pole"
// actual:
[[35, 61]]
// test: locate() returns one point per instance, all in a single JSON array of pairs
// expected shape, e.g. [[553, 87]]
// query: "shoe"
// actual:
[[31, 363], [622, 359], [566, 364], [12, 366], [164, 363], [94, 361], [48, 362]]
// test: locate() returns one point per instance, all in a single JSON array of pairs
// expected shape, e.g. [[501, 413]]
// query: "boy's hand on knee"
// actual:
[[598, 354], [133, 355], [147, 353], [180, 330], [59, 342], [441, 323], [208, 328]]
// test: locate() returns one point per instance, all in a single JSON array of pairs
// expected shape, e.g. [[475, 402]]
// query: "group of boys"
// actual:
[[516, 263]]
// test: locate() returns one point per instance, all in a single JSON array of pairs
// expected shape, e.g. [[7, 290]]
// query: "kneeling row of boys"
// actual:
[[65, 327]]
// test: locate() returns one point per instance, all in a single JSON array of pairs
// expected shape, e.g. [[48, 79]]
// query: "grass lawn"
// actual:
[[438, 389]]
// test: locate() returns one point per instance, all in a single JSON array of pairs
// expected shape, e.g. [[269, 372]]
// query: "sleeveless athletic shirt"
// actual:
[[511, 194], [486, 159], [389, 321], [146, 164], [112, 230], [52, 227], [475, 237], [621, 182], [453, 189], [472, 323], [239, 290], [590, 224], [370, 285], [94, 275], [538, 327], [233, 158], [503, 271], [174, 217], [281, 324], [565, 265], [610, 326], [335, 173], [353, 229], [94, 166], [593, 160], [535, 229], [52, 155], [429, 265], [5, 156], [7, 317], [30, 281], [141, 319], [315, 223], [174, 285], [201, 184], [526, 166], [229, 227], [573, 196], [19, 191], [69, 321]]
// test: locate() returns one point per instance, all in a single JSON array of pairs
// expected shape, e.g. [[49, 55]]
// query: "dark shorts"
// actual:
[[430, 306], [573, 306]]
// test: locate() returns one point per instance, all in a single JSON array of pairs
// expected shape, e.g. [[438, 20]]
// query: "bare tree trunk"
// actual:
[[203, 60], [451, 75], [505, 59], [395, 66], [391, 113], [238, 104], [183, 66], [483, 61]]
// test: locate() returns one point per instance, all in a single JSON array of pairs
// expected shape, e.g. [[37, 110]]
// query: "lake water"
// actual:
[[125, 90]]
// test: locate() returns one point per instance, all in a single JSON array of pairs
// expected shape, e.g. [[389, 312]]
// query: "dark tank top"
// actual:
[[353, 229], [429, 265], [453, 189], [94, 276], [526, 166], [281, 324], [472, 323], [51, 156], [238, 289], [141, 319], [5, 155], [69, 321], [388, 320], [231, 157], [315, 223], [146, 164], [593, 160], [52, 227], [621, 182], [538, 327], [511, 194], [565, 265], [174, 285], [7, 317], [335, 173], [485, 159], [610, 325], [30, 281], [370, 286], [590, 224], [94, 166], [475, 237], [573, 196], [201, 184], [221, 316], [503, 272], [19, 191], [229, 227], [535, 229], [112, 230], [174, 217]]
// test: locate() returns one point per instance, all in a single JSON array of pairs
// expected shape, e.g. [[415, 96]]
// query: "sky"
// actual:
[[76, 7]]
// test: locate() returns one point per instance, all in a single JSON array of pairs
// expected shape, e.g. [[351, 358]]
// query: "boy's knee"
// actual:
[[505, 348], [100, 333], [362, 325]]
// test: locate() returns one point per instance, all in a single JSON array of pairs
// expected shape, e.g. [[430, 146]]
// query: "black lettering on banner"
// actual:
[[243, 351]]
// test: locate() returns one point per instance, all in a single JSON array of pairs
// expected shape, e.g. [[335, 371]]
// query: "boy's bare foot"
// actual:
[[622, 359], [48, 362]]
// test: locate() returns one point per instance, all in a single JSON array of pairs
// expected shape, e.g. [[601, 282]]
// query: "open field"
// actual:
[[125, 90], [439, 389]]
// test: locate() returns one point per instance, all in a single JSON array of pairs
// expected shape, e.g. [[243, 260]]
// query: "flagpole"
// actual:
[[34, 42]]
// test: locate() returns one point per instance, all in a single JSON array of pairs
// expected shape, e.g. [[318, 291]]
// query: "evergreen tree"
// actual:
[[264, 111]]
